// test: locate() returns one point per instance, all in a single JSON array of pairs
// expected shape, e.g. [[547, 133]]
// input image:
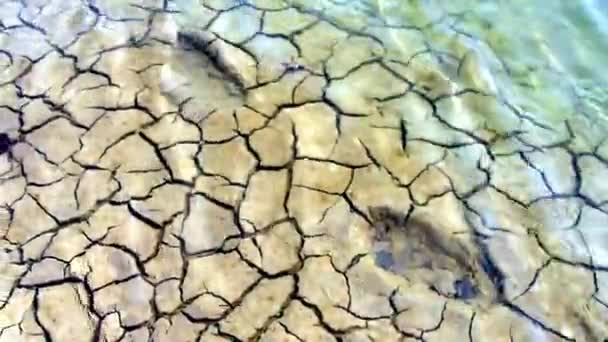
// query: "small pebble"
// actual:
[[384, 259], [465, 289]]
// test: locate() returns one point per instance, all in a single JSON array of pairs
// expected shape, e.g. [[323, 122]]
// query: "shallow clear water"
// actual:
[[303, 170]]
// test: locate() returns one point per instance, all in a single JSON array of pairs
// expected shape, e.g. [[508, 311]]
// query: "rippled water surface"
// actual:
[[293, 170]]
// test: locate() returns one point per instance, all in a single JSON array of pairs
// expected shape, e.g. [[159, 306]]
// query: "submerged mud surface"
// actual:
[[288, 171]]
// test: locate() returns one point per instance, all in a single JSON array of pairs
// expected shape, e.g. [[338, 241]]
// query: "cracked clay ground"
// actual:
[[288, 171]]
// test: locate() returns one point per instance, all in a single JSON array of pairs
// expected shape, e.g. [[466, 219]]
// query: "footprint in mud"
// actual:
[[420, 251], [201, 70]]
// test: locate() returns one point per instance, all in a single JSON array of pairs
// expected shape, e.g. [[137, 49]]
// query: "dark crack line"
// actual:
[[516, 309], [36, 310]]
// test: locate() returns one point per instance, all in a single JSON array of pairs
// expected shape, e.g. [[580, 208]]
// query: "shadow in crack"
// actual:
[[210, 48], [5, 143]]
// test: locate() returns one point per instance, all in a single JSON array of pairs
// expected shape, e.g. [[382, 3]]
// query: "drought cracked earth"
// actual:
[[282, 171]]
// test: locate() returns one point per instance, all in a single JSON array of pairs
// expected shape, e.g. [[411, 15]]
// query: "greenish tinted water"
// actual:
[[547, 58], [552, 50]]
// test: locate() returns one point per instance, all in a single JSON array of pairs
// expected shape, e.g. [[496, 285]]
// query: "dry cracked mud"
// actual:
[[286, 171]]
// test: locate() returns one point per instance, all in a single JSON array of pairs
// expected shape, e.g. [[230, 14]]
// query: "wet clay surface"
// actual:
[[280, 171]]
